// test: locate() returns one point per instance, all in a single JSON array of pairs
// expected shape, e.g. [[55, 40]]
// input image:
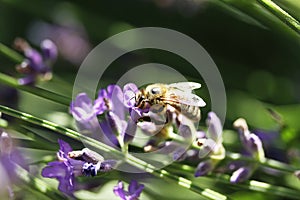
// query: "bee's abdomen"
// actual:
[[192, 112]]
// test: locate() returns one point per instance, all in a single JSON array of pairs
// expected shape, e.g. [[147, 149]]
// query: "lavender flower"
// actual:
[[65, 169], [250, 141], [133, 193], [36, 64]]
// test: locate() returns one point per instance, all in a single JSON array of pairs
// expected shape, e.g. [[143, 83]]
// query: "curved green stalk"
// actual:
[[8, 52], [12, 82], [140, 164], [251, 185], [281, 14]]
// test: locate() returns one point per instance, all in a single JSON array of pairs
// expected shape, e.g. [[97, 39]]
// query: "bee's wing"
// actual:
[[182, 92], [184, 97], [185, 86]]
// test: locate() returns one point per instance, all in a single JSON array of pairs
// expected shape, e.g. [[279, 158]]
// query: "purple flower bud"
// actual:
[[240, 175], [49, 50], [251, 142], [35, 61], [28, 80], [204, 168], [215, 128], [133, 193]]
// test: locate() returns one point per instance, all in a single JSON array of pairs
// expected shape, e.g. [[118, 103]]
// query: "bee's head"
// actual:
[[140, 98], [154, 90]]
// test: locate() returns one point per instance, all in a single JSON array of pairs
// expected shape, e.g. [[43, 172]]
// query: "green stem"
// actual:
[[140, 164], [281, 14], [13, 55], [274, 164], [12, 82], [248, 185]]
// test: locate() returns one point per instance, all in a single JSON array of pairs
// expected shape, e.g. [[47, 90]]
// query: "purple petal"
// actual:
[[100, 104], [119, 190], [129, 91], [28, 80], [116, 124], [82, 108], [109, 133], [66, 185], [130, 131], [215, 128], [138, 190], [35, 60], [135, 114], [204, 168], [133, 186], [55, 169], [49, 50], [116, 97], [240, 175], [64, 147]]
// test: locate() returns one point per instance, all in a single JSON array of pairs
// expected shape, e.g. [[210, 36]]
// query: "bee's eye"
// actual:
[[155, 90]]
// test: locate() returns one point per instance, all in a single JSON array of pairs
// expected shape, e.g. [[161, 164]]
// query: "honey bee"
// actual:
[[178, 95]]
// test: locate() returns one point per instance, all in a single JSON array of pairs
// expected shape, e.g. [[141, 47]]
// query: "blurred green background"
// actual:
[[258, 55]]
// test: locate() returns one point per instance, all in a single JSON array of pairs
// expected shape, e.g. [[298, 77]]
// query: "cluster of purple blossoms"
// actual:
[[115, 129], [119, 119], [36, 64]]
